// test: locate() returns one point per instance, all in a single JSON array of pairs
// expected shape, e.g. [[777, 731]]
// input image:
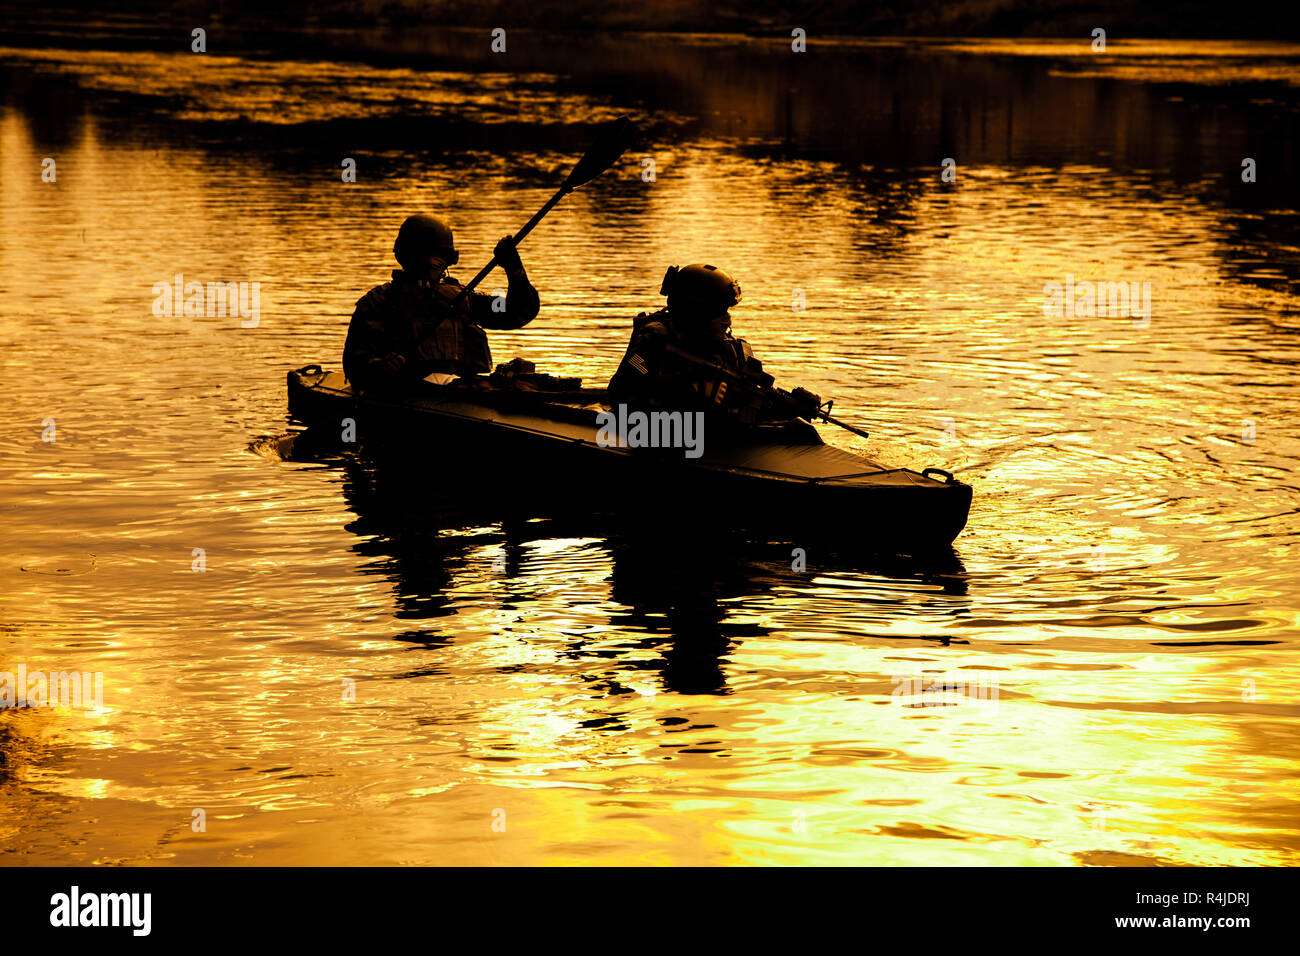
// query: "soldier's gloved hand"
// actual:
[[507, 255], [806, 404], [392, 362]]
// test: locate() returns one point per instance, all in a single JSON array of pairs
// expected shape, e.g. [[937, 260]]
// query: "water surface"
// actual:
[[1127, 581]]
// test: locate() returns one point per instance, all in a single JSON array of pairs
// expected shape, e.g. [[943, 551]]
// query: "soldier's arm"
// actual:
[[643, 371], [368, 350], [775, 402], [521, 305], [800, 403], [522, 302], [703, 366]]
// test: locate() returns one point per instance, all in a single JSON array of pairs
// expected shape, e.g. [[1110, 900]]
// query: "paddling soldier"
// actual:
[[685, 357], [422, 322]]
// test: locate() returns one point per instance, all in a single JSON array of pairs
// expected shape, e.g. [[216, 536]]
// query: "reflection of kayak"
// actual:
[[517, 441]]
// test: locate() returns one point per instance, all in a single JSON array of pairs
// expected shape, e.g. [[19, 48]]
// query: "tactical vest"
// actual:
[[450, 338], [744, 399], [737, 352]]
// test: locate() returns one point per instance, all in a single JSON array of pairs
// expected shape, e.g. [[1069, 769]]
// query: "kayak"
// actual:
[[514, 441]]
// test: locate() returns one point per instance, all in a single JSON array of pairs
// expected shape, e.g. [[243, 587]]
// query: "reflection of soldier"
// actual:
[[672, 572], [684, 356], [677, 577], [421, 323]]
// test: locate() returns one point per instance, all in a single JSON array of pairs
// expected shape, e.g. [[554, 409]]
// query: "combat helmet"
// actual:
[[422, 236], [699, 290]]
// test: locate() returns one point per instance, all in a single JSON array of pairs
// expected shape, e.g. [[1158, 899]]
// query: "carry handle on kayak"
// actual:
[[604, 153], [947, 475]]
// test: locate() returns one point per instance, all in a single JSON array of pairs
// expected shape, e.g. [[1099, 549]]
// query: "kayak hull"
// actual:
[[526, 445]]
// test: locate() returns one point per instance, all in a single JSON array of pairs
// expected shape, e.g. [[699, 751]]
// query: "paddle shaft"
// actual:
[[612, 143], [528, 227]]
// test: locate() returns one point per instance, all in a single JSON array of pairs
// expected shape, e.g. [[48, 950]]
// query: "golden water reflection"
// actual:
[[1126, 578]]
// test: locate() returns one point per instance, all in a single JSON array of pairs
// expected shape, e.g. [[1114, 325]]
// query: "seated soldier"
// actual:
[[421, 324], [684, 356]]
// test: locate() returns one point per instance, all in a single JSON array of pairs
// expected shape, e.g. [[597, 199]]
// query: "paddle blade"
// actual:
[[612, 143]]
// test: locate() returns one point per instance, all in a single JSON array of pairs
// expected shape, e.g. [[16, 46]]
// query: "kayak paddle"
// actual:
[[612, 143]]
